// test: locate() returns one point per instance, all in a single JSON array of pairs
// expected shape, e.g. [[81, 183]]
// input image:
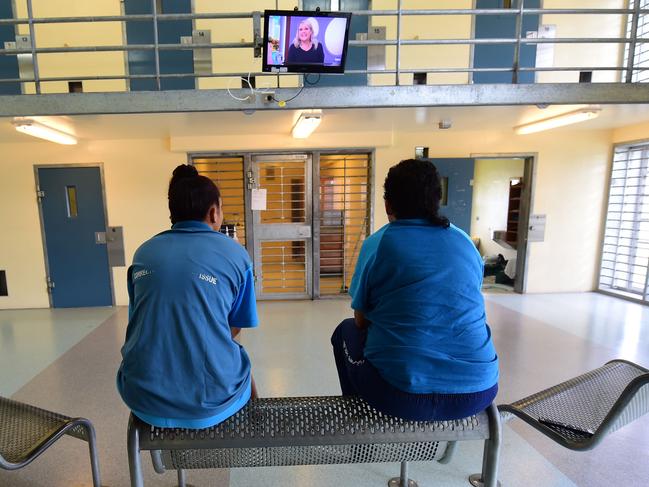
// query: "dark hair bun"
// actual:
[[183, 171]]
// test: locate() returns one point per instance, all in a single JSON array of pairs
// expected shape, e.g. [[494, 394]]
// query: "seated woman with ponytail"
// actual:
[[418, 346], [191, 290]]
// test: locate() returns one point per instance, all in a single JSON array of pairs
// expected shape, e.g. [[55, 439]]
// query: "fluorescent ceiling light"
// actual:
[[306, 124], [36, 129], [577, 116]]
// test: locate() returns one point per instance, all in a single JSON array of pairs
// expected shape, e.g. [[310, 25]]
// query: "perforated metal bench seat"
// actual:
[[27, 431], [309, 431], [580, 412]]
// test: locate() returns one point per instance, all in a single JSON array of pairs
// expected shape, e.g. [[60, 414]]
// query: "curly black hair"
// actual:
[[191, 195], [413, 189]]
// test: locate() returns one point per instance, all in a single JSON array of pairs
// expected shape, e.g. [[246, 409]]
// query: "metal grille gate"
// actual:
[[306, 242], [228, 174], [343, 218], [283, 230]]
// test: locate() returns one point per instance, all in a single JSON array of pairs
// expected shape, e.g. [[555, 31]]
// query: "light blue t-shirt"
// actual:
[[420, 287], [180, 366]]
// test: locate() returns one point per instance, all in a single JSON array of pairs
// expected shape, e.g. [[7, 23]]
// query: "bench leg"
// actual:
[[403, 480], [182, 478], [92, 447], [489, 475], [134, 461]]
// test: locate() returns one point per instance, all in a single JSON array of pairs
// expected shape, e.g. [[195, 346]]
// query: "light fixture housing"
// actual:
[[42, 131], [576, 116], [306, 124]]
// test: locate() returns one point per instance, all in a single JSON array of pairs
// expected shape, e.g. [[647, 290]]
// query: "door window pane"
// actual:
[[71, 201]]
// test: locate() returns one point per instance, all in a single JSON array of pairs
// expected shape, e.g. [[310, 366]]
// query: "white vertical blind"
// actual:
[[641, 57], [625, 253]]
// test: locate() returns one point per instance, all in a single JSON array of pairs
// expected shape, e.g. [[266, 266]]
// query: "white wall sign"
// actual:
[[544, 52], [258, 200], [536, 229]]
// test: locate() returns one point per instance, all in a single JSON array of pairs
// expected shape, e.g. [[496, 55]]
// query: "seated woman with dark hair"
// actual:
[[418, 346], [191, 290]]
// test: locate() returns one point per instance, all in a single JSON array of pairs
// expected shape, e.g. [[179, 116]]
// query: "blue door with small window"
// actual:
[[457, 190], [74, 223], [502, 55]]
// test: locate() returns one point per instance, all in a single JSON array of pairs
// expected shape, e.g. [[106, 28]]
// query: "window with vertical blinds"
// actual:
[[625, 253], [641, 53]]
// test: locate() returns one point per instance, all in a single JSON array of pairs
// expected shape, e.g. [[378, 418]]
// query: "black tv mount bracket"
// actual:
[[317, 9]]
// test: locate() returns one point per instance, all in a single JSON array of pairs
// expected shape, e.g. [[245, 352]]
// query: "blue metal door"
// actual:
[[72, 209], [457, 177], [169, 32], [502, 55]]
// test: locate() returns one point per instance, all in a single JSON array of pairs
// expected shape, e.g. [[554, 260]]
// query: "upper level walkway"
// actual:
[[140, 56]]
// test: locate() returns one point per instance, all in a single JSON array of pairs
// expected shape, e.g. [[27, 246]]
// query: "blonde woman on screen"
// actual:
[[305, 48]]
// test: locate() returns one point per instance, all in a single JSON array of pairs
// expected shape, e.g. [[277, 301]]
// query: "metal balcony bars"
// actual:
[[518, 41]]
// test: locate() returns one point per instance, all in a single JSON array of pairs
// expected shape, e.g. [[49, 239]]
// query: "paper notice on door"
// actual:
[[258, 200]]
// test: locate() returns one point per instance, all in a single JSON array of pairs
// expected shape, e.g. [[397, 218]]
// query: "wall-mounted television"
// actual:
[[305, 42]]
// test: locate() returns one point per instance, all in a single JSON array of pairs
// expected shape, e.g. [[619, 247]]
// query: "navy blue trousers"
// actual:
[[358, 377]]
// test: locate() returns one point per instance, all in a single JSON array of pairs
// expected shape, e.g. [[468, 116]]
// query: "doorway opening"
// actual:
[[502, 202], [489, 197]]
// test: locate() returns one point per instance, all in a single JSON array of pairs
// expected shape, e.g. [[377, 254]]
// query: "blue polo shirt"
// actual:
[[180, 366], [420, 287]]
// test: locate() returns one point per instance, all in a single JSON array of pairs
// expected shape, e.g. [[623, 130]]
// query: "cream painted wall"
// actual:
[[570, 188], [586, 55], [491, 200], [136, 174], [78, 34], [632, 133], [426, 27], [570, 181]]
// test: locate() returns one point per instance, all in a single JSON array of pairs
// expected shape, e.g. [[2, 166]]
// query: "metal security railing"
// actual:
[[627, 68]]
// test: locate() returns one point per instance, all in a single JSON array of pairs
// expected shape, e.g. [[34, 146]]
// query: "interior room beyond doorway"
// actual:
[[496, 212]]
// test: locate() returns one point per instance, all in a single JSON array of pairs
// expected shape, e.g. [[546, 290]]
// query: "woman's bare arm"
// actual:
[[361, 321]]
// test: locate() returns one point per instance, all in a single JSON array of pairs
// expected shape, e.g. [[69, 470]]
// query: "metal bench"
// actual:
[[27, 431], [580, 412], [311, 431]]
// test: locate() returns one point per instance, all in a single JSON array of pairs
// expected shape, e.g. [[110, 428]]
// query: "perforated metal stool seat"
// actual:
[[306, 431], [27, 431], [580, 412]]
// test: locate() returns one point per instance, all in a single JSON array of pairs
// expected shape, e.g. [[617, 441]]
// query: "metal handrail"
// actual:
[[364, 43], [350, 71], [362, 13]]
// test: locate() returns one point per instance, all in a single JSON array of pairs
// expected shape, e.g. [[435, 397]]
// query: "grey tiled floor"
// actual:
[[541, 340]]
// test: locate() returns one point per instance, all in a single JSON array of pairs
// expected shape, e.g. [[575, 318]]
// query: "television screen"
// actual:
[[305, 42]]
